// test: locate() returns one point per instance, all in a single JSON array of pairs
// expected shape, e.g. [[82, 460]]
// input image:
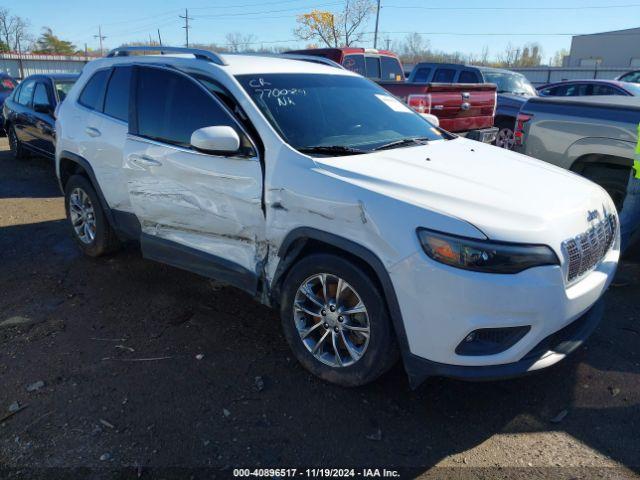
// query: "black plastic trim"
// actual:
[[199, 262]]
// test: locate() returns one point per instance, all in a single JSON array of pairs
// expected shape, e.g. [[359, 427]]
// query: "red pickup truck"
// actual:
[[467, 109]]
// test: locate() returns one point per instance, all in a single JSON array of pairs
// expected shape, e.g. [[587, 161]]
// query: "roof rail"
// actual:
[[312, 59], [196, 52]]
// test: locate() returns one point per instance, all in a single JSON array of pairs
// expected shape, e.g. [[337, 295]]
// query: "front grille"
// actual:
[[587, 249]]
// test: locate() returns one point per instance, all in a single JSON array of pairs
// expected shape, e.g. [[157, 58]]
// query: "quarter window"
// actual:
[[116, 101], [170, 107], [93, 93], [26, 92], [40, 96]]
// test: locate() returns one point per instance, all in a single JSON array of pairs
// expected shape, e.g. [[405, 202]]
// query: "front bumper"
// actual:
[[549, 351], [485, 135]]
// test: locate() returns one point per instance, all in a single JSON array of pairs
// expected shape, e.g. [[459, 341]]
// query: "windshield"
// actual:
[[509, 82], [63, 89], [337, 111]]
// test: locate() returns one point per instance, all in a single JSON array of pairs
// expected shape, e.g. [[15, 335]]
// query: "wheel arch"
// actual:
[[304, 241], [70, 164]]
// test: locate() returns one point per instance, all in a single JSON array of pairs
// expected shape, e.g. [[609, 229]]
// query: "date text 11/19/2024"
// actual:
[[316, 472]]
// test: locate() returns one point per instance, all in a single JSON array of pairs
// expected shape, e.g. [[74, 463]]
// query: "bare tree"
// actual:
[[335, 30], [558, 58], [238, 42], [13, 29]]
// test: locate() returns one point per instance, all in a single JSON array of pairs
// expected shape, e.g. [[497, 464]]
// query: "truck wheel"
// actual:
[[613, 179], [336, 322], [16, 148], [89, 225], [505, 137]]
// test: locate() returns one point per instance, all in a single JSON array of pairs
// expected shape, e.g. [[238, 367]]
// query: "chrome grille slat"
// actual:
[[585, 251]]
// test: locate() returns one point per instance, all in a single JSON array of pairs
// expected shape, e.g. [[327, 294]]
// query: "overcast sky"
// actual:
[[452, 25]]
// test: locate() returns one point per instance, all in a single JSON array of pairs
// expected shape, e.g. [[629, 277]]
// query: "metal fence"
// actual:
[[542, 75], [20, 66]]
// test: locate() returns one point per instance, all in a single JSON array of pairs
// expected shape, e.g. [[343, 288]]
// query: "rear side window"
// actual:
[[116, 100], [26, 92], [469, 76], [391, 69], [422, 75], [40, 95], [170, 107], [444, 75], [373, 67], [355, 63], [93, 93], [633, 77], [598, 89]]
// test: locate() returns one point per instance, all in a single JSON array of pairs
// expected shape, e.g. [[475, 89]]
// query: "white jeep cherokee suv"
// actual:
[[373, 231]]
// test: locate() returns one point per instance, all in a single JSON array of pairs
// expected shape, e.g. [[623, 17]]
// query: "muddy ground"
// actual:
[[121, 363]]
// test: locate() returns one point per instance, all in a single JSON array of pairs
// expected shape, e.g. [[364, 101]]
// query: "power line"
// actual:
[[593, 7], [242, 14]]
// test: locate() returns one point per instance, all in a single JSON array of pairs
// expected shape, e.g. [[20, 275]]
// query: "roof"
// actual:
[[632, 31], [598, 81], [235, 64], [596, 101], [55, 76]]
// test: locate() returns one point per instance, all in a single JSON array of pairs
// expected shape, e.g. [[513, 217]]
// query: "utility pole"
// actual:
[[20, 65], [375, 35], [100, 37], [186, 24], [159, 38]]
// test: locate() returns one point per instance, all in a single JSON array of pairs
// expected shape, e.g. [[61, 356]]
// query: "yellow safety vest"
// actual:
[[636, 161]]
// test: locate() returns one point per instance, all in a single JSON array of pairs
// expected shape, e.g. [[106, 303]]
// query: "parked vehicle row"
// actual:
[[375, 233], [29, 113]]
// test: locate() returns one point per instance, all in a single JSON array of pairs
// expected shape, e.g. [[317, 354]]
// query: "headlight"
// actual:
[[484, 255]]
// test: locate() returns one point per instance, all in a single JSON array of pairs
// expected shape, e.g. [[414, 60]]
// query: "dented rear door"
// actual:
[[197, 210]]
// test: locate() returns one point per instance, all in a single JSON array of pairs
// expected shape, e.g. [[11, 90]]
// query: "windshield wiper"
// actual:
[[331, 150], [403, 142]]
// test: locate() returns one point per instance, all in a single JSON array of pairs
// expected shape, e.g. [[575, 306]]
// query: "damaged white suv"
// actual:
[[374, 232]]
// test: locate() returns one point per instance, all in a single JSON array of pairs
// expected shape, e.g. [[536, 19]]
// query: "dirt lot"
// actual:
[[150, 368]]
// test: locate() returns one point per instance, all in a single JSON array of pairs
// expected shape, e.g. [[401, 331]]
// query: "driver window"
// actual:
[[170, 107]]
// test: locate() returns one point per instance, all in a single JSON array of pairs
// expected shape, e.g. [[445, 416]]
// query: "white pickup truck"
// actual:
[[375, 233]]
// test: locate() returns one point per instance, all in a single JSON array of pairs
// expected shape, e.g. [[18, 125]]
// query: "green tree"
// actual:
[[4, 48], [49, 43]]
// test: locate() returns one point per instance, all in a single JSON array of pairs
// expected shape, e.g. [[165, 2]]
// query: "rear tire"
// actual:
[[613, 179], [15, 146], [505, 138], [89, 225], [345, 338]]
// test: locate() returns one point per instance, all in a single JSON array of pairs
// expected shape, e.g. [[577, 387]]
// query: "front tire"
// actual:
[[89, 226], [336, 321], [15, 146]]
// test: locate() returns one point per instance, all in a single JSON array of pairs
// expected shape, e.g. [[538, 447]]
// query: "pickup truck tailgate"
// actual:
[[459, 107]]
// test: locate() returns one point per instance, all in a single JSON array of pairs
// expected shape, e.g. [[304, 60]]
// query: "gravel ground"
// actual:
[[126, 368]]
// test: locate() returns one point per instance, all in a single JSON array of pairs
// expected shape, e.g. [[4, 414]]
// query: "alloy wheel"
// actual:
[[506, 139], [82, 215], [331, 319]]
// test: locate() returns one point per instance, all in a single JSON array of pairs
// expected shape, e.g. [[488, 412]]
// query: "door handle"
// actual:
[[92, 132], [144, 161]]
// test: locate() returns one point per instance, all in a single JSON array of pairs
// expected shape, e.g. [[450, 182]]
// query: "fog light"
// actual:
[[490, 341]]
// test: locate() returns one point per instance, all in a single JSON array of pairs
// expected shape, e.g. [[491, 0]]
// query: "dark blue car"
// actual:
[[29, 113], [513, 90]]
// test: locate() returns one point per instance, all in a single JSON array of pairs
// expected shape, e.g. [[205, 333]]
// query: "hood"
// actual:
[[508, 196]]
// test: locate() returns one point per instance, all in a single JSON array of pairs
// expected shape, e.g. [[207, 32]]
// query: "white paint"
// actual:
[[215, 204]]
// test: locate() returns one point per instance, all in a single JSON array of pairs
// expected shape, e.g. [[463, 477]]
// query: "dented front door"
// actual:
[[204, 202]]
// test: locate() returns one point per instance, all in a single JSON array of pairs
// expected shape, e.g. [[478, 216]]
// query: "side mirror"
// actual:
[[216, 139], [431, 118], [43, 108]]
